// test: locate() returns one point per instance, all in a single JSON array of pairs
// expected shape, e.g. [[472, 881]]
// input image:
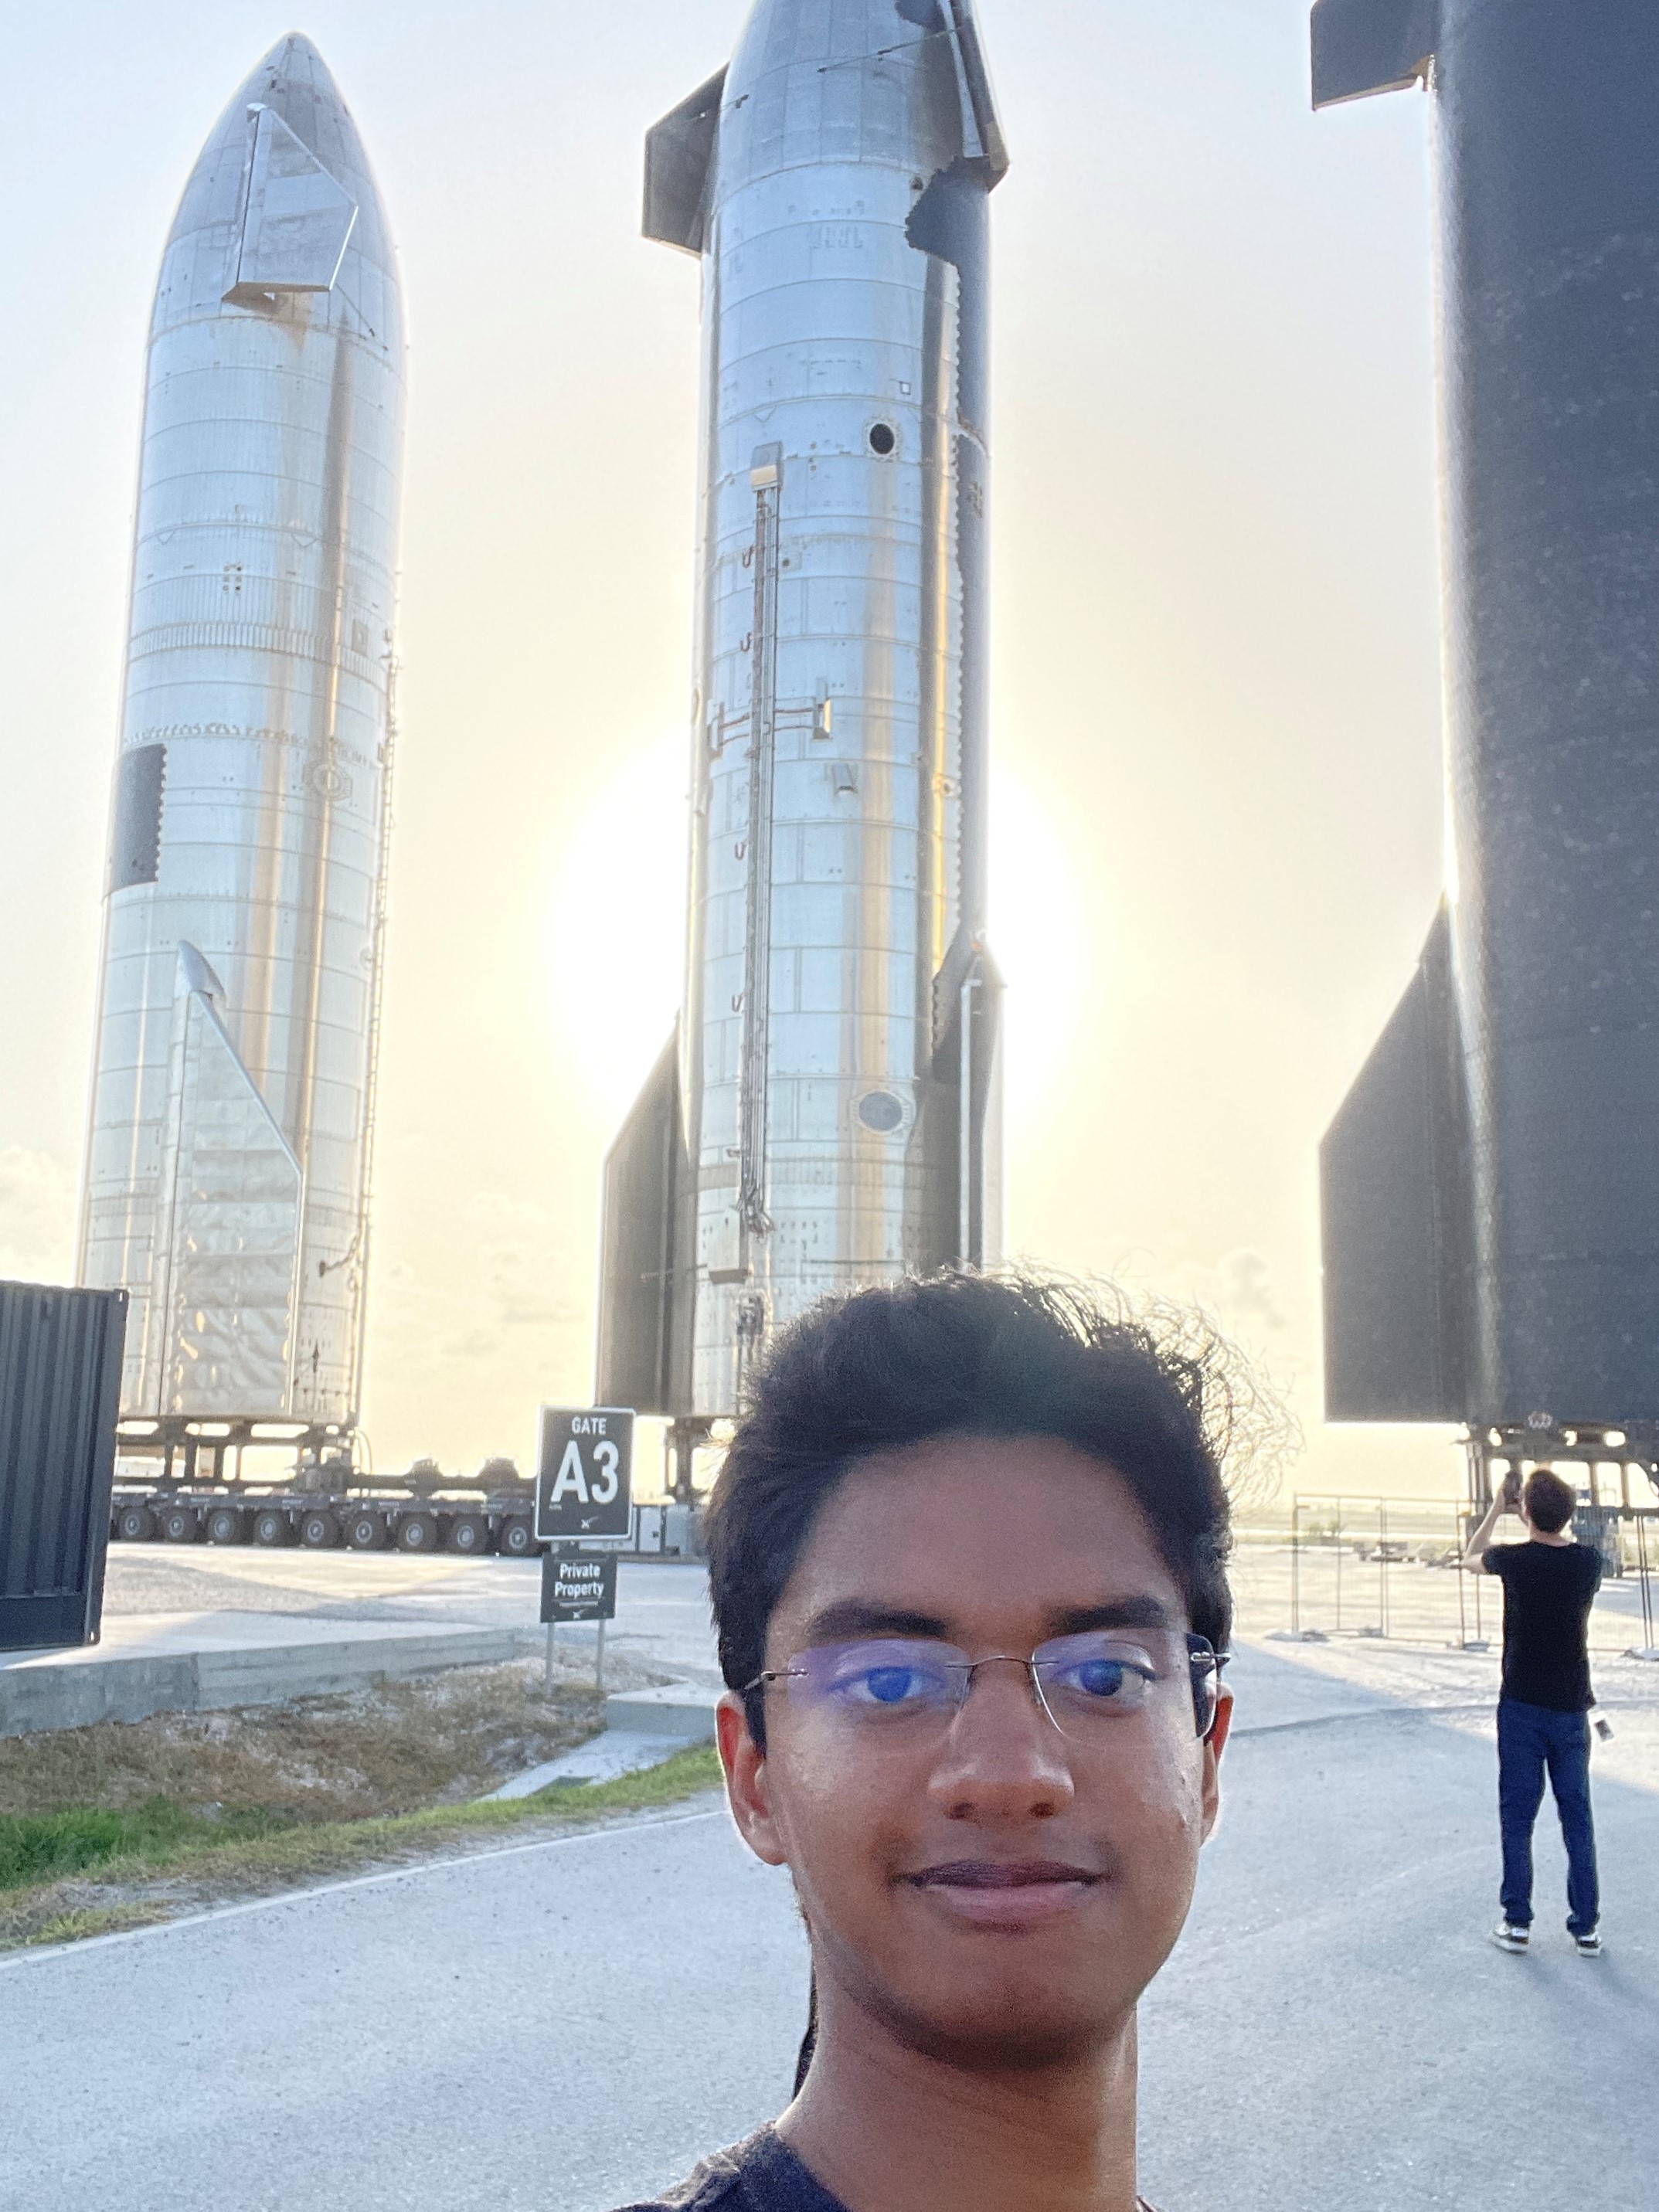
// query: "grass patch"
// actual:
[[392, 1747], [113, 1920], [157, 1871], [46, 1847]]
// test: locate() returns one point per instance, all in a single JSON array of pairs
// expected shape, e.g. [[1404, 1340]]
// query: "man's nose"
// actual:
[[1004, 1758]]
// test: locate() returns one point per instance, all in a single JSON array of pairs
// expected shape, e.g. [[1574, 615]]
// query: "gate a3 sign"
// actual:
[[584, 1473]]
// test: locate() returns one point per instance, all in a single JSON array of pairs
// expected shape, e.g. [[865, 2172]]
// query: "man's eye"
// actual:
[[1110, 1680], [889, 1685]]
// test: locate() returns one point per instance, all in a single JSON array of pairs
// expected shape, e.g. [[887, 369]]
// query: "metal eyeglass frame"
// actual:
[[1203, 1660]]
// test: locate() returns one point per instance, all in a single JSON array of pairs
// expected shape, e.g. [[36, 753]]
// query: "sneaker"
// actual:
[[1509, 1937], [1588, 1947]]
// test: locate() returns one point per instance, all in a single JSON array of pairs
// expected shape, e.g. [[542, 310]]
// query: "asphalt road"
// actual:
[[564, 2025], [662, 1626]]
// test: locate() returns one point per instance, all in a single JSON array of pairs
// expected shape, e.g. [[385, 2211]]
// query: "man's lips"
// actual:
[[996, 1892], [994, 1873]]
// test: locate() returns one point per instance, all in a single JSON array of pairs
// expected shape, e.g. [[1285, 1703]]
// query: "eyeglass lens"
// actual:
[[1088, 1683]]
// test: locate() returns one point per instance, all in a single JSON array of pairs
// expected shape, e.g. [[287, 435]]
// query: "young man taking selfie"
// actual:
[[968, 1559], [1543, 1709]]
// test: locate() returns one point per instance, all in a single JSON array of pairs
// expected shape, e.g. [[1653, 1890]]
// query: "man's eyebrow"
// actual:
[[1146, 1611], [852, 1617]]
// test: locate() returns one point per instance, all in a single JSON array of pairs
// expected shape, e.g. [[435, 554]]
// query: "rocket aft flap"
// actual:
[[1492, 1185], [828, 1113]]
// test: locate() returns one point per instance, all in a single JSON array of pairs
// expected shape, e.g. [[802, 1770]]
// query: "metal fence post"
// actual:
[[1295, 1567], [1479, 1630], [1463, 1588]]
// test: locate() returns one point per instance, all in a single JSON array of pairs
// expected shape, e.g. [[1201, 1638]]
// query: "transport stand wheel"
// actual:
[[271, 1528], [419, 1532], [366, 1532], [469, 1533], [517, 1539], [226, 1525], [320, 1531], [179, 1524], [136, 1524]]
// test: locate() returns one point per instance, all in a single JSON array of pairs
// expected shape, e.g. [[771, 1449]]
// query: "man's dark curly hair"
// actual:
[[1154, 1396]]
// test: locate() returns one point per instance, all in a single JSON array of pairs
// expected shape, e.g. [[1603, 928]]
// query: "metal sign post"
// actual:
[[578, 1585]]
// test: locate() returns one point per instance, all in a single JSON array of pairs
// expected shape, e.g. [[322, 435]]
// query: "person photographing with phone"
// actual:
[[1550, 1584]]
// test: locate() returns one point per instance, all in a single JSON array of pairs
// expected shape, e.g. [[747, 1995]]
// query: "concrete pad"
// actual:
[[322, 1574], [604, 1757], [683, 1711], [205, 1663]]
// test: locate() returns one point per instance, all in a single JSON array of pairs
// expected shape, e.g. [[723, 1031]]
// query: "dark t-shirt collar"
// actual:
[[782, 2183], [763, 2175]]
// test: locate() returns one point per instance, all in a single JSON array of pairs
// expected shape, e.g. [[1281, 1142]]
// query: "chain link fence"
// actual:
[[1386, 1568]]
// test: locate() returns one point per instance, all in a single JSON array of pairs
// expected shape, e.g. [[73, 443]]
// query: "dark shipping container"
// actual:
[[60, 1382]]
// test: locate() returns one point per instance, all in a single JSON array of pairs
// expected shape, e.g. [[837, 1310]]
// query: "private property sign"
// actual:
[[578, 1586], [585, 1473]]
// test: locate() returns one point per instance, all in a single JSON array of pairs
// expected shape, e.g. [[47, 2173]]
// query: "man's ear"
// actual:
[[748, 1789], [1214, 1745]]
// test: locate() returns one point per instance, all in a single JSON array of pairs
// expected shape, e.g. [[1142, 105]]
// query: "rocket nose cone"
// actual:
[[294, 59], [294, 82]]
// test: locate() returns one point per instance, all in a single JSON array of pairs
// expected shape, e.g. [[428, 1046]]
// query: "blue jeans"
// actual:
[[1532, 1741]]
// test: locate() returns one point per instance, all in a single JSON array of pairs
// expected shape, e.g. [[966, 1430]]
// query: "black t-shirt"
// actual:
[[757, 2176], [1549, 1591]]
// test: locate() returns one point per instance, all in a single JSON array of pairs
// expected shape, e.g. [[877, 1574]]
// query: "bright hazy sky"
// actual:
[[1218, 834]]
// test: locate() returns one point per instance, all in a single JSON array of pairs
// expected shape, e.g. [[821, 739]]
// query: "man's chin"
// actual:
[[1000, 2031]]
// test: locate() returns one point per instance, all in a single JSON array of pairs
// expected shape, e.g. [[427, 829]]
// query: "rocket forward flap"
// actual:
[[678, 155], [986, 141], [982, 141], [1364, 46], [1397, 1214], [230, 1220], [296, 220]]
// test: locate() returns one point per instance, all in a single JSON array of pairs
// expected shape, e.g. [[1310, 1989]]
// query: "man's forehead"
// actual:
[[969, 1530]]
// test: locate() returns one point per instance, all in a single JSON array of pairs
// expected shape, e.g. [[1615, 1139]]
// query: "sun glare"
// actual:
[[1037, 935], [616, 932]]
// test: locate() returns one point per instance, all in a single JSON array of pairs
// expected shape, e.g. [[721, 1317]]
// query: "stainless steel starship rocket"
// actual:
[[827, 1112], [228, 1165]]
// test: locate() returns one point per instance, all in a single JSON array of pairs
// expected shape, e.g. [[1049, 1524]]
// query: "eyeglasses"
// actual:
[[905, 1689]]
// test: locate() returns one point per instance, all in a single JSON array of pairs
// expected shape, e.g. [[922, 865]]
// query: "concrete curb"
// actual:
[[680, 1710], [604, 1758], [41, 1692]]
